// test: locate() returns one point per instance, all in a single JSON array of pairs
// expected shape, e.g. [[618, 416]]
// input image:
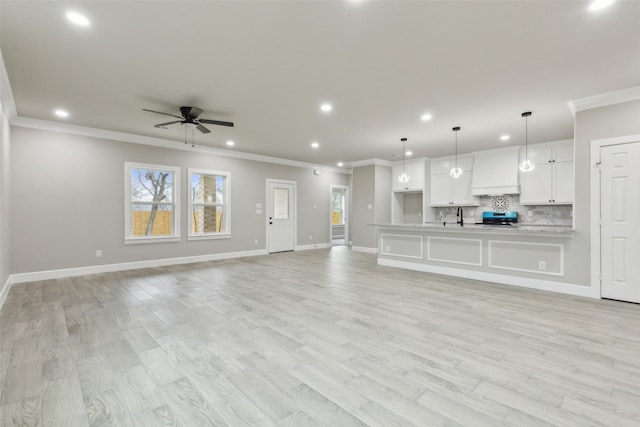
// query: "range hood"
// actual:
[[495, 172]]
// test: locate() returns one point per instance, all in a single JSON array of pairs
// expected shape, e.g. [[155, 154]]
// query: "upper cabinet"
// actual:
[[414, 169], [495, 172], [551, 180], [449, 191]]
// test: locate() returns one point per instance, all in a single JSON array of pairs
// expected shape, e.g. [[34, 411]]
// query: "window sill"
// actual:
[[143, 240], [209, 236]]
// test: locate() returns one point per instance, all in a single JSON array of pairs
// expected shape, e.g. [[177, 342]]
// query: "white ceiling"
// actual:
[[268, 65]]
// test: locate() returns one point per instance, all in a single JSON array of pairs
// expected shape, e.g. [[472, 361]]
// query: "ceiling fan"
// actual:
[[190, 119]]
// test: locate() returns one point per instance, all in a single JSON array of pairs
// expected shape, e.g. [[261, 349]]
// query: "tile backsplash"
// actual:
[[540, 215]]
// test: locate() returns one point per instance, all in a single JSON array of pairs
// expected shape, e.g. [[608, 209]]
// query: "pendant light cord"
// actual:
[[456, 159], [403, 158], [526, 137]]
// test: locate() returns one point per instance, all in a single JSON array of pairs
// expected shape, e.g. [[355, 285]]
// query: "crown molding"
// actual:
[[369, 162], [605, 99], [6, 95], [163, 143]]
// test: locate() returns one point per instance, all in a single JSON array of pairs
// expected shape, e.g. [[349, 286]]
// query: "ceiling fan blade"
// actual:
[[160, 112], [203, 129], [216, 122], [159, 125], [192, 112]]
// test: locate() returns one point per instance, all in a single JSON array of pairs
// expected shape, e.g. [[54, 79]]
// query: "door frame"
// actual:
[[594, 210], [294, 209], [346, 209]]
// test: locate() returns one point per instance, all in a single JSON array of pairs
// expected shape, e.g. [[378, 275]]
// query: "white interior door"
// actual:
[[281, 216], [620, 221]]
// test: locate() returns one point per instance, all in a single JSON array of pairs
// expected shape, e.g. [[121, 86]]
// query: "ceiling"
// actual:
[[268, 65]]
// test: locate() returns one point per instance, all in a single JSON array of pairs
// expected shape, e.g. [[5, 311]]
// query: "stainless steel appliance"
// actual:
[[500, 218]]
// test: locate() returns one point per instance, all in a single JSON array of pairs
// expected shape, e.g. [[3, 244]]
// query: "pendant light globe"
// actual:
[[526, 165], [403, 178], [455, 171]]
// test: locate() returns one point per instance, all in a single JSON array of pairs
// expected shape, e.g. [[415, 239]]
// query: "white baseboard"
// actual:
[[108, 268], [5, 291], [314, 246], [543, 285], [364, 249]]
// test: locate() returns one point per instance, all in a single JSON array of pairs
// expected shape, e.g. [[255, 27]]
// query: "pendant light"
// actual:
[[455, 170], [404, 177], [527, 165]]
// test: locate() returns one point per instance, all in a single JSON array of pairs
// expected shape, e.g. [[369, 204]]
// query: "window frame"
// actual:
[[226, 205], [128, 204]]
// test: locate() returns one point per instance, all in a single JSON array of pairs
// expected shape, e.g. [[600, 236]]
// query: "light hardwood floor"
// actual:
[[312, 338]]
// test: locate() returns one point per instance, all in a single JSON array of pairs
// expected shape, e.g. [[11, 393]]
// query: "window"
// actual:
[[209, 204], [151, 196], [280, 203], [337, 209]]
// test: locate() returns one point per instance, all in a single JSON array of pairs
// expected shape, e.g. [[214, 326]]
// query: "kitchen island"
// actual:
[[521, 255]]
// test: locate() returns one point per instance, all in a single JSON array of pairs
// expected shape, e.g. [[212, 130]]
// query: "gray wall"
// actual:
[[605, 122], [68, 201], [371, 186], [5, 226], [382, 195], [363, 195]]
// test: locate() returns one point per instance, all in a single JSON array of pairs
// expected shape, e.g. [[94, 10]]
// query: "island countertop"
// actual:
[[452, 227]]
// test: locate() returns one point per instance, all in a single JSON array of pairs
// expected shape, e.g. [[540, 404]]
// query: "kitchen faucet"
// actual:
[[459, 219]]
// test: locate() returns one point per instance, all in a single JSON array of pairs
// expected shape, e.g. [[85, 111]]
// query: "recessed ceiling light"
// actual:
[[326, 107], [504, 137], [314, 144], [408, 153], [78, 19], [340, 164], [61, 113], [600, 4], [231, 143], [426, 117]]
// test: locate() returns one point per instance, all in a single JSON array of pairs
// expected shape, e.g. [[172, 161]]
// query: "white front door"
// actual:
[[280, 216], [620, 221]]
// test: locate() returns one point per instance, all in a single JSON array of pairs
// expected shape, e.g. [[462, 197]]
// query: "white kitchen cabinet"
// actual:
[[414, 169], [551, 180], [495, 172], [449, 191]]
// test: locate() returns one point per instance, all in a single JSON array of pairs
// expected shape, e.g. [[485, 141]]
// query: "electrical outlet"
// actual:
[[310, 237], [256, 241], [99, 253], [542, 265], [530, 213]]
